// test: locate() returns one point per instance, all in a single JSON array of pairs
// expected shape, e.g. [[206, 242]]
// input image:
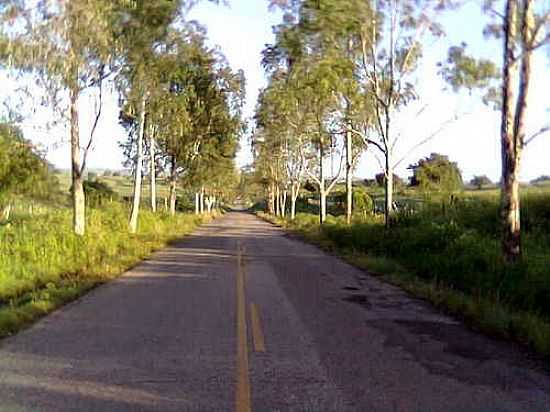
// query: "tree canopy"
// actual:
[[436, 172]]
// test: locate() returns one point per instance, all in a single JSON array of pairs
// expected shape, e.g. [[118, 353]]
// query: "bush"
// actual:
[[362, 202], [480, 181], [436, 172], [98, 193]]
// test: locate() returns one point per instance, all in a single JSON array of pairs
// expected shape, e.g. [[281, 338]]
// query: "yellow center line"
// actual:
[[257, 333], [242, 394]]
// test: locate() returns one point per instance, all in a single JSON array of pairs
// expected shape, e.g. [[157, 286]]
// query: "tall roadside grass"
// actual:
[[450, 254], [43, 264]]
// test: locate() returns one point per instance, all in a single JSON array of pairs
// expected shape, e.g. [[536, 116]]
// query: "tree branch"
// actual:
[[427, 139], [94, 126], [540, 132]]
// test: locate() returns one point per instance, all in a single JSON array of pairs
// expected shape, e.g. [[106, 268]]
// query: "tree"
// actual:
[[193, 108], [147, 25], [282, 128], [383, 42], [523, 28], [480, 181], [543, 179], [436, 172], [319, 76], [68, 47], [391, 48], [23, 170]]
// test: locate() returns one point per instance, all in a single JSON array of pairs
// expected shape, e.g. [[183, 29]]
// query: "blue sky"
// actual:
[[242, 30]]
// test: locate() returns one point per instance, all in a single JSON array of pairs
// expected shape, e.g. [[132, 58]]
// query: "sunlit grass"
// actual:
[[43, 264]]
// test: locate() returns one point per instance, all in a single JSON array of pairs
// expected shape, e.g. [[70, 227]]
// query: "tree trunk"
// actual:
[[173, 187], [277, 201], [6, 212], [295, 190], [513, 122], [292, 201], [349, 175], [202, 200], [78, 197], [209, 204], [283, 204], [153, 173], [197, 200], [138, 172], [323, 204], [271, 200], [388, 207], [322, 191]]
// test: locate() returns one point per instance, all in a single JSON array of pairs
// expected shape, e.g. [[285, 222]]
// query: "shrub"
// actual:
[[97, 193]]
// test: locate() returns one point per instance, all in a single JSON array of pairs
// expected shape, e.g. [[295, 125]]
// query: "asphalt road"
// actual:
[[241, 317]]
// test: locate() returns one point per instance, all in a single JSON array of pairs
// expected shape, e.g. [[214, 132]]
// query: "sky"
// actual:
[[242, 30]]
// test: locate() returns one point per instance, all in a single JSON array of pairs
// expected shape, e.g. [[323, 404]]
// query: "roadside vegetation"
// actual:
[[448, 252], [340, 76], [64, 232], [43, 264]]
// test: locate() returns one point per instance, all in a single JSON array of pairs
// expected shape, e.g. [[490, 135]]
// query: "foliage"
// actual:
[[23, 171], [98, 192], [42, 261], [455, 248], [398, 181], [462, 71], [436, 172], [193, 111], [362, 202], [352, 65], [541, 179], [480, 181]]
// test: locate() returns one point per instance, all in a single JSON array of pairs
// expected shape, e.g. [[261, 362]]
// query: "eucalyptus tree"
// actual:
[[334, 27], [281, 122], [146, 26], [196, 108], [262, 173], [217, 124], [314, 71], [67, 47], [383, 40], [314, 80], [390, 39], [272, 134], [523, 26]]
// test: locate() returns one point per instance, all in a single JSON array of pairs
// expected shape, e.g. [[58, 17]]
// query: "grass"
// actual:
[[44, 265], [450, 255]]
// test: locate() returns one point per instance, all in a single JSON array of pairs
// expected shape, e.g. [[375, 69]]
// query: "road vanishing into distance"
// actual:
[[242, 317]]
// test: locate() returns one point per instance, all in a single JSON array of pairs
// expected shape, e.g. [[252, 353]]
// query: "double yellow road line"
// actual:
[[242, 392]]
